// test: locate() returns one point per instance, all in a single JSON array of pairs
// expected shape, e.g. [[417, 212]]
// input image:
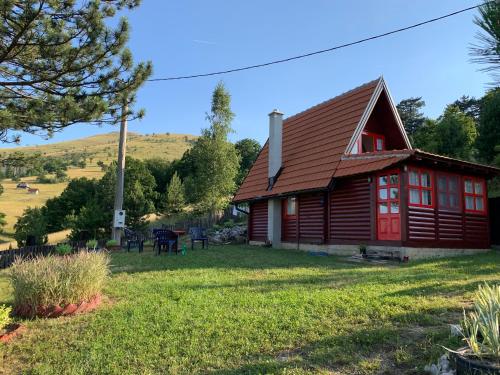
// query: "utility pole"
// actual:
[[120, 172]]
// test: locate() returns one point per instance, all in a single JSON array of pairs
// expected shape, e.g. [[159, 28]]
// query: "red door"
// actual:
[[388, 206]]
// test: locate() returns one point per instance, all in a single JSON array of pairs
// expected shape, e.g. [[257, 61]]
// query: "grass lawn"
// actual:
[[247, 310]]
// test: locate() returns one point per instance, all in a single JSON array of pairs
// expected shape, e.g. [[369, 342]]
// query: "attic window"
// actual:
[[369, 142]]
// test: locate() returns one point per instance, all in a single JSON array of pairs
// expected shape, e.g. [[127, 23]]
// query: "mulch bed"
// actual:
[[27, 311]]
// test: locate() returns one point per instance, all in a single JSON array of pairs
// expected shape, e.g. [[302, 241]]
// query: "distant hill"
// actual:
[[104, 147], [97, 148]]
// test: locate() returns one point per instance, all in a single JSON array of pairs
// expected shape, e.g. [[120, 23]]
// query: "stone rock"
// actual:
[[441, 368], [236, 234], [455, 330]]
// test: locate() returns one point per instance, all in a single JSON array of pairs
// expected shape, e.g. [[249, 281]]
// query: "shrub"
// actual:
[[54, 280], [91, 244], [481, 326], [4, 316], [32, 224], [112, 243], [64, 249]]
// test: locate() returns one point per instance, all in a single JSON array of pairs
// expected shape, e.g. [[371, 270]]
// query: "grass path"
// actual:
[[246, 310]]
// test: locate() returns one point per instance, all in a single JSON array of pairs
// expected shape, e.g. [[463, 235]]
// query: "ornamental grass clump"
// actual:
[[481, 327], [58, 280]]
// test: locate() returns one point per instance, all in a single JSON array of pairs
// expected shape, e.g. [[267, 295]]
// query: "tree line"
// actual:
[[467, 129], [201, 182]]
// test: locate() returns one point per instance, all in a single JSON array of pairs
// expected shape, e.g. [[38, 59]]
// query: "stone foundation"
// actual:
[[348, 250]]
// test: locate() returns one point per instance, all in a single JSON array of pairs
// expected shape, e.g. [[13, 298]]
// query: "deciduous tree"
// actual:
[[489, 126], [215, 159], [248, 149], [33, 224], [452, 134], [139, 197]]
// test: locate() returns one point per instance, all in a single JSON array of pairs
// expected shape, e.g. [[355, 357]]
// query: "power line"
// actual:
[[316, 52]]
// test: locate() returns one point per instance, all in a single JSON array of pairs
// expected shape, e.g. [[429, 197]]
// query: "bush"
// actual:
[[64, 249], [32, 224], [58, 281], [4, 316], [112, 243], [481, 328], [91, 244]]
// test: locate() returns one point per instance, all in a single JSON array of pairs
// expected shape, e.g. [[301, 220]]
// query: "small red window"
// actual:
[[420, 186], [369, 142], [474, 193]]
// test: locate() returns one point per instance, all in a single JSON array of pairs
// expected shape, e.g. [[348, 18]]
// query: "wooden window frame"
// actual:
[[474, 195], [388, 187], [421, 188], [375, 137], [458, 193]]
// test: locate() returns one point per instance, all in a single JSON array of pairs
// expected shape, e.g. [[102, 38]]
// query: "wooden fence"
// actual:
[[7, 257]]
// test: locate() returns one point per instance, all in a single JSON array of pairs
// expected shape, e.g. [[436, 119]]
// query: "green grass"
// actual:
[[246, 310]]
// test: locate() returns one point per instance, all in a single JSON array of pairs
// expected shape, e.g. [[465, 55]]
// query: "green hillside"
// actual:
[[105, 147], [98, 148]]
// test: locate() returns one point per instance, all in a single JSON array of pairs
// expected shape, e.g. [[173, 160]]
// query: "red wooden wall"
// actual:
[[257, 223], [350, 210], [437, 227], [289, 226], [312, 215], [347, 214]]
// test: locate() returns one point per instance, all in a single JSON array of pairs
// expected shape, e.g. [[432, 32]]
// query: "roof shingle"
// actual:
[[313, 144]]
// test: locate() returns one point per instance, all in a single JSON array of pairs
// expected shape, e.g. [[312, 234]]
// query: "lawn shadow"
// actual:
[[359, 351]]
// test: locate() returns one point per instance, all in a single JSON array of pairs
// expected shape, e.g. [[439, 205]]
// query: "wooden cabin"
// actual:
[[343, 174]]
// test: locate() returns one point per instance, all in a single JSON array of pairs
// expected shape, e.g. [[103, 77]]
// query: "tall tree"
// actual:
[[248, 149], [470, 106], [487, 51], [62, 64], [452, 134], [74, 197], [140, 194], [215, 158], [489, 126], [220, 116], [425, 137], [410, 111], [175, 199]]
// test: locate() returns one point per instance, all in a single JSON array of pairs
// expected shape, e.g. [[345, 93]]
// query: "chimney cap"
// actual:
[[276, 112]]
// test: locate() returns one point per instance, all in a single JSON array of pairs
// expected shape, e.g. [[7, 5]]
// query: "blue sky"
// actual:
[[185, 37]]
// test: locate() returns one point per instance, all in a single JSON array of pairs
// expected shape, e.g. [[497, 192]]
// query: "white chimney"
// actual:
[[275, 142], [275, 160]]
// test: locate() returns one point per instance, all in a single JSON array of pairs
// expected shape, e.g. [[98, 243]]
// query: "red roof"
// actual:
[[313, 144], [374, 161], [315, 147], [369, 162]]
